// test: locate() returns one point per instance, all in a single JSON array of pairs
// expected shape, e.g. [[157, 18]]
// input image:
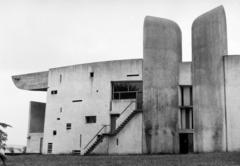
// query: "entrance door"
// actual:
[[186, 142]]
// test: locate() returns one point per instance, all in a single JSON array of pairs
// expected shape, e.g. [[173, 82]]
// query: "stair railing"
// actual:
[[96, 135], [126, 112]]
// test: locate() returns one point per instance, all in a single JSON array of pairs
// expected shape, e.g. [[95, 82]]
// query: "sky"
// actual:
[[36, 35]]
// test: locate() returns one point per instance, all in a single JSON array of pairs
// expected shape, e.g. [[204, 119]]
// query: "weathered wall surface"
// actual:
[[232, 78], [33, 142], [102, 148], [162, 55], [33, 81], [209, 44], [75, 83]]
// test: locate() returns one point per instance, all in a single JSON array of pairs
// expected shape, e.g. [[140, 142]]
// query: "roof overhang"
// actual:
[[32, 81]]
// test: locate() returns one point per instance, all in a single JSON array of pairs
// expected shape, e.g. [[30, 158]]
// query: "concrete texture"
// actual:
[[162, 51], [209, 44], [32, 81], [95, 93], [129, 138], [232, 78], [185, 73], [127, 141]]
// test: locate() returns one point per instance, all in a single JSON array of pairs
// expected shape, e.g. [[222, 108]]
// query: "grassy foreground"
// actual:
[[206, 159]]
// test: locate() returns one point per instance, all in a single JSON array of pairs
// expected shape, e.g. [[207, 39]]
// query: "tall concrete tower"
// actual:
[[162, 51], [209, 45]]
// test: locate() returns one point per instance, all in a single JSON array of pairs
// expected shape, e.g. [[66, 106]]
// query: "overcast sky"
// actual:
[[36, 35]]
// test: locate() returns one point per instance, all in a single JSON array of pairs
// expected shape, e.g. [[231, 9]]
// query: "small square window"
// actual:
[[54, 132], [54, 92], [91, 119], [68, 126], [58, 118], [91, 74]]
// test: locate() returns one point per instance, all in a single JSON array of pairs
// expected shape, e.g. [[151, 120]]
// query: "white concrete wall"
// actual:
[[129, 138], [33, 142], [119, 105], [232, 81], [95, 94], [124, 108]]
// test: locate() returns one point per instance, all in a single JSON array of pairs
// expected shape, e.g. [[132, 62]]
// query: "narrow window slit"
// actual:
[[132, 75], [74, 101]]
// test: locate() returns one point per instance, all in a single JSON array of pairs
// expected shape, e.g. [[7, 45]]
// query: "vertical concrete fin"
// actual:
[[209, 45], [162, 52], [37, 117]]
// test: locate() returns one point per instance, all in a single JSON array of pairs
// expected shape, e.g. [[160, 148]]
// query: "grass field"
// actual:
[[206, 159]]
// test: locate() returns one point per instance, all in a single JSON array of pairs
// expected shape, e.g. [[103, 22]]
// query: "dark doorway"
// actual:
[[186, 142], [113, 121]]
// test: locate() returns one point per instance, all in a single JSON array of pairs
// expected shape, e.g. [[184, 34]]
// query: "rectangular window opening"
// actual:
[[126, 90], [54, 92], [80, 141], [91, 119], [74, 101], [132, 75], [54, 132], [68, 126], [91, 74], [186, 118], [49, 148], [186, 95]]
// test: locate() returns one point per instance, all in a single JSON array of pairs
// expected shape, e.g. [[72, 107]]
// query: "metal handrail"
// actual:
[[127, 107], [95, 135], [135, 101]]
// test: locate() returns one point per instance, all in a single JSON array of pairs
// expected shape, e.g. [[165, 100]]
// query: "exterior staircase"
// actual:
[[100, 137]]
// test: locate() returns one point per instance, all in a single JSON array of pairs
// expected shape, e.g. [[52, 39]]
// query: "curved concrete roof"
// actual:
[[32, 81]]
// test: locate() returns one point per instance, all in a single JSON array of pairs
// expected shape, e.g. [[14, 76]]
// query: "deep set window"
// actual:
[[126, 89], [92, 74], [54, 92], [91, 119], [54, 132], [186, 118], [186, 95], [68, 126], [186, 110], [49, 147]]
